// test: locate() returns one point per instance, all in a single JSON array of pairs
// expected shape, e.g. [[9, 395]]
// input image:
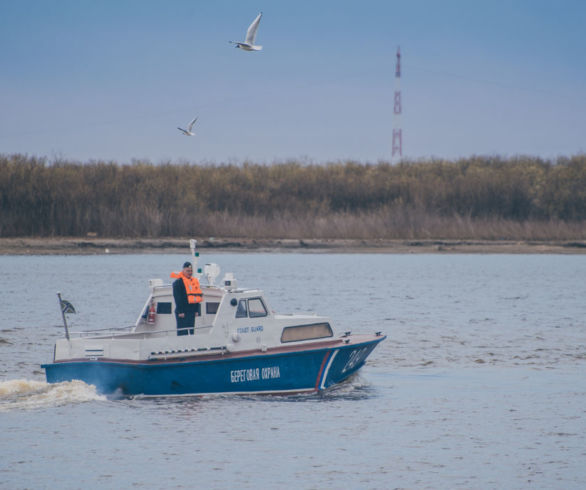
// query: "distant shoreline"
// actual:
[[99, 246]]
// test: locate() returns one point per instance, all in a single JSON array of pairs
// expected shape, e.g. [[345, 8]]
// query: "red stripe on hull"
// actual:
[[321, 369]]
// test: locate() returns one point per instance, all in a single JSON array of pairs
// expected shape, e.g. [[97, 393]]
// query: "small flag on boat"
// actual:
[[66, 306]]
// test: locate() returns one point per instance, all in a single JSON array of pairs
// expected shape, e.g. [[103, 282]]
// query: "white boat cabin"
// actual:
[[231, 320]]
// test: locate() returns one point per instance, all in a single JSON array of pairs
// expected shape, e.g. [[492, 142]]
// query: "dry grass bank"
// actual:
[[474, 199]]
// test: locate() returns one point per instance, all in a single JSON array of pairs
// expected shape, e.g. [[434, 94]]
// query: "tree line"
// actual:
[[478, 197]]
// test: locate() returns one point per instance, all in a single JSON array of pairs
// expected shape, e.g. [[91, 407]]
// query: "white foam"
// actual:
[[24, 394]]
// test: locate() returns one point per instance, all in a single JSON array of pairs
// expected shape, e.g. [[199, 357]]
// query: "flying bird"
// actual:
[[188, 132], [248, 44]]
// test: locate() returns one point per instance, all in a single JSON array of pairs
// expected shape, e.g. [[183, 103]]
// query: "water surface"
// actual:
[[480, 383]]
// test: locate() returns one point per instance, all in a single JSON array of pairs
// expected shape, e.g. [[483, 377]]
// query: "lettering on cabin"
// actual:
[[254, 374], [260, 328]]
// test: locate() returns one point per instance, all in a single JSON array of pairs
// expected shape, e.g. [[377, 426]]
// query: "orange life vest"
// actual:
[[194, 294]]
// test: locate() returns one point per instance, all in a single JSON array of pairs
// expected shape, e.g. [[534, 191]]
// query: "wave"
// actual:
[[24, 394]]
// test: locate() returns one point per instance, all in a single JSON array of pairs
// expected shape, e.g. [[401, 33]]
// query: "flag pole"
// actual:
[[63, 316]]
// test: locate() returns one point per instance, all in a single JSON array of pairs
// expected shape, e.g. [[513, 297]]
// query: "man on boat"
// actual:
[[188, 296]]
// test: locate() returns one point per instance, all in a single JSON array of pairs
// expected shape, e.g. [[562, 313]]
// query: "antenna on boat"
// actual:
[[195, 255]]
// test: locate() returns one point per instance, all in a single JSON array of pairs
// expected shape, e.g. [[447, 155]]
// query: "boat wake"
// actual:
[[353, 388], [24, 394]]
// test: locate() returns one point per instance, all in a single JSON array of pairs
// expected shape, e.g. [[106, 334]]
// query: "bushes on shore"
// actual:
[[477, 197]]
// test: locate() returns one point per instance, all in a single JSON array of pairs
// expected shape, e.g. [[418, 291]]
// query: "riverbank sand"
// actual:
[[95, 245]]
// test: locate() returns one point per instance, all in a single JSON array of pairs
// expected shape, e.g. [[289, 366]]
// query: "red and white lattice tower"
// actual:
[[397, 132]]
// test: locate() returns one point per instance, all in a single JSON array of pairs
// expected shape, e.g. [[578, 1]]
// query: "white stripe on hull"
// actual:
[[327, 370]]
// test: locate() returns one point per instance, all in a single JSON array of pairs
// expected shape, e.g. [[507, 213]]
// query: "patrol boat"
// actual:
[[239, 346]]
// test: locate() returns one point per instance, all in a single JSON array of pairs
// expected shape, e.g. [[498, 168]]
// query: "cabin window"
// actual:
[[306, 332], [256, 308], [241, 311], [211, 308], [164, 308]]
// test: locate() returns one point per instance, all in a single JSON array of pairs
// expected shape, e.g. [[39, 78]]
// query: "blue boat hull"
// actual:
[[292, 371]]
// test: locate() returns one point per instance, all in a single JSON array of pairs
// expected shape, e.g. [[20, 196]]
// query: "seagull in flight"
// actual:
[[188, 132], [248, 44]]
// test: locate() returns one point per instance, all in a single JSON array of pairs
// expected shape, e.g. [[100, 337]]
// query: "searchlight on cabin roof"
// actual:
[[211, 271]]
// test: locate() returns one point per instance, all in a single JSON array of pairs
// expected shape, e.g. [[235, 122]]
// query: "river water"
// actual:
[[480, 384]]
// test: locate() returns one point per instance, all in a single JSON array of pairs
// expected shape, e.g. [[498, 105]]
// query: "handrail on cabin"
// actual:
[[104, 331]]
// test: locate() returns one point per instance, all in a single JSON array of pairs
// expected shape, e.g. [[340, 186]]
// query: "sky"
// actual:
[[113, 79]]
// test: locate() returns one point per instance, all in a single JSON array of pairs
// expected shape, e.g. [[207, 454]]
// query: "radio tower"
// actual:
[[397, 137]]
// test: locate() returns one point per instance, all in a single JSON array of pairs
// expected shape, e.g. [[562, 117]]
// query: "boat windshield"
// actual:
[[242, 310], [256, 308], [253, 308]]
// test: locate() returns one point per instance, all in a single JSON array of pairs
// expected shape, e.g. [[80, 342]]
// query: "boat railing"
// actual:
[[130, 333], [101, 331]]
